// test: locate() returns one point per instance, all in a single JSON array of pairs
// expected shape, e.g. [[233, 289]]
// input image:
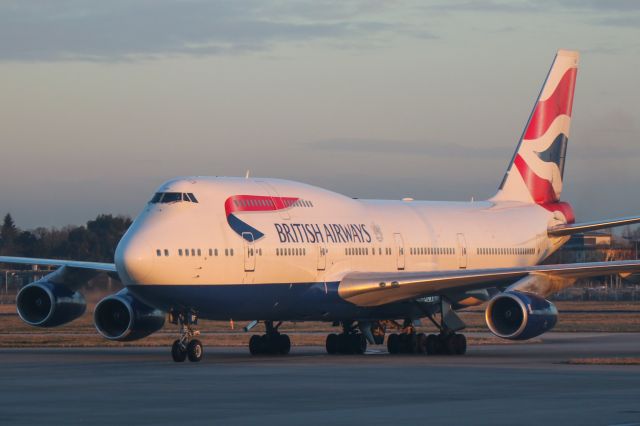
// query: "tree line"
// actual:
[[95, 241]]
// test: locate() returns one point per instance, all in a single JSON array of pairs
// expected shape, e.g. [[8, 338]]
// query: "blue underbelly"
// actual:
[[300, 301]]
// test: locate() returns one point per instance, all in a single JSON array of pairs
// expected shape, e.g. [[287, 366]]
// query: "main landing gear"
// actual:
[[270, 343], [350, 341], [447, 342], [410, 342], [186, 346]]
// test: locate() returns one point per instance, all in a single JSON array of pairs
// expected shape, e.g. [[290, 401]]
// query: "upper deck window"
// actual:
[[173, 197]]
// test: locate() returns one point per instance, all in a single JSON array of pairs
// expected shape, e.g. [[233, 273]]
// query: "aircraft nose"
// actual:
[[134, 260]]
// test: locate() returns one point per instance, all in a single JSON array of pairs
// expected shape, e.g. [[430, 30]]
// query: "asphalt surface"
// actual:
[[494, 384]]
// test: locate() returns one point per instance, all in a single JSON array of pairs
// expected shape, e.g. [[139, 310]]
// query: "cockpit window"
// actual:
[[172, 197]]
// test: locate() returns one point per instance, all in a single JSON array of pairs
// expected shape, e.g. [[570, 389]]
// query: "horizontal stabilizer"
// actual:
[[562, 230]]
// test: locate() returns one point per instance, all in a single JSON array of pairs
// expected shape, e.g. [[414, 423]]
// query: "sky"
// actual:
[[103, 101]]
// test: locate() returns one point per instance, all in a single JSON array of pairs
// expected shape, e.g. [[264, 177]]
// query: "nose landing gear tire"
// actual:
[[195, 350], [178, 351]]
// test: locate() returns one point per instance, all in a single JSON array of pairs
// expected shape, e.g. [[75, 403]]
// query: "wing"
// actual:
[[374, 289], [561, 230], [73, 264]]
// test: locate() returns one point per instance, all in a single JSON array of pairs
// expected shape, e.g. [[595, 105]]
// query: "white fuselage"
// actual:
[[320, 237]]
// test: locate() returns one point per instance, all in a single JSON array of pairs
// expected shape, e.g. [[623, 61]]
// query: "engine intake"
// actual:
[[520, 316], [122, 317], [47, 304]]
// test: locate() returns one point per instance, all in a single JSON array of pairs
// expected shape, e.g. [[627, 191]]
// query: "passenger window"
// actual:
[[158, 252], [166, 252], [231, 252], [179, 252], [186, 252], [199, 252], [215, 252], [210, 252]]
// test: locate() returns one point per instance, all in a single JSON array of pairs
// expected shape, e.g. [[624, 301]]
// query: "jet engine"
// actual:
[[518, 315], [122, 317], [47, 304]]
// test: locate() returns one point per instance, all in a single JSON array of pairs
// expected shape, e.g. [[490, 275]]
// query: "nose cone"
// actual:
[[134, 259]]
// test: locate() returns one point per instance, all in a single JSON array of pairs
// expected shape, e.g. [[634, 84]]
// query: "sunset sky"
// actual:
[[104, 100]]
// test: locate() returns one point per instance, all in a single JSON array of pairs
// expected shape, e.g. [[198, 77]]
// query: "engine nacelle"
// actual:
[[47, 304], [122, 317], [520, 316]]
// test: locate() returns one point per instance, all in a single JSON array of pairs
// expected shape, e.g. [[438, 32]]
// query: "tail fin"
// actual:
[[535, 172]]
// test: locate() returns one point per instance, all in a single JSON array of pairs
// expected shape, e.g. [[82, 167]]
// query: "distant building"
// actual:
[[589, 240]]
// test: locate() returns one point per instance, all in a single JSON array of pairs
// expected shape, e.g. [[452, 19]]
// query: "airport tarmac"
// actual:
[[492, 384]]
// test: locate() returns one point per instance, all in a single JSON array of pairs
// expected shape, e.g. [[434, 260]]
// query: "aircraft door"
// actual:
[[399, 242], [322, 257], [462, 252], [249, 252]]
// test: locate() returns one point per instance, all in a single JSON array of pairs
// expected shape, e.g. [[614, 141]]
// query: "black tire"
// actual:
[[266, 345], [344, 344], [449, 344], [378, 332], [411, 343], [332, 344], [460, 344], [358, 344], [393, 344], [432, 344], [421, 343], [402, 343], [255, 345], [284, 344], [195, 351], [178, 352]]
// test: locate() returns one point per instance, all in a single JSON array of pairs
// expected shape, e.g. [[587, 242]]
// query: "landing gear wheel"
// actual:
[[284, 344], [332, 344], [393, 343], [410, 343], [358, 344], [460, 344], [449, 344], [421, 343], [432, 344], [195, 350], [255, 345], [178, 351], [344, 344]]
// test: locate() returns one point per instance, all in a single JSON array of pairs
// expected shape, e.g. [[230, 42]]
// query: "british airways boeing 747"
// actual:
[[273, 250]]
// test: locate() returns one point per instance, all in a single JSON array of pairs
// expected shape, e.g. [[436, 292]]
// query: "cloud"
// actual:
[[129, 30]]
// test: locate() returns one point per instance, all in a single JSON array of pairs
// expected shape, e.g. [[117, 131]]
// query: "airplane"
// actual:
[[271, 250]]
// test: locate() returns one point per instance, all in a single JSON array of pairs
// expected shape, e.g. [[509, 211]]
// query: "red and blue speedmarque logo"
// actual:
[[253, 203]]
